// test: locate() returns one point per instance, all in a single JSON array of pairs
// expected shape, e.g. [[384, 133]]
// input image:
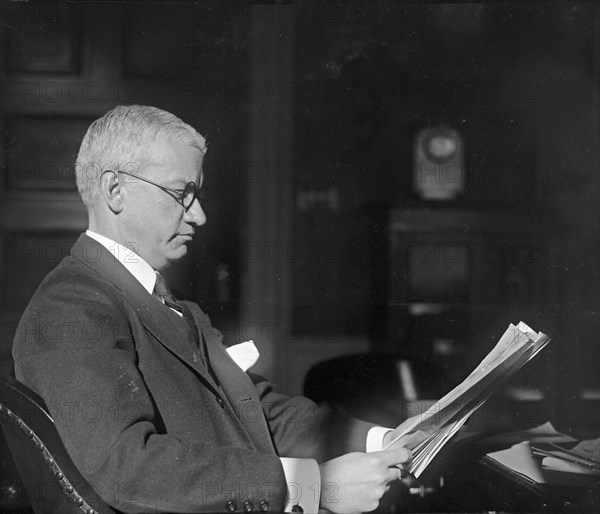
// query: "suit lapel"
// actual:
[[157, 319], [153, 314]]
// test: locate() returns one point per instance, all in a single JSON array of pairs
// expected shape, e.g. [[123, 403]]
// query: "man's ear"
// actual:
[[111, 189]]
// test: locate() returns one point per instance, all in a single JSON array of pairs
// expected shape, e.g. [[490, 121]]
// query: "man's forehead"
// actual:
[[175, 162], [166, 153], [165, 150]]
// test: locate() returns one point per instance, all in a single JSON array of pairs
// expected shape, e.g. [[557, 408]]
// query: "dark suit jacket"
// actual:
[[137, 409]]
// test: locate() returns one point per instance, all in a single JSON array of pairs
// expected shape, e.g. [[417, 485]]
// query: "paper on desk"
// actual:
[[545, 430], [589, 449], [544, 433], [560, 464], [519, 458], [582, 458]]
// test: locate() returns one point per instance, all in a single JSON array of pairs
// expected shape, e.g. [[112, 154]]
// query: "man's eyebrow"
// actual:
[[180, 183], [174, 181]]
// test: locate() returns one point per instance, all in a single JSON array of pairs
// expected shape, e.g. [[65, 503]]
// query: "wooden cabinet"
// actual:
[[457, 277]]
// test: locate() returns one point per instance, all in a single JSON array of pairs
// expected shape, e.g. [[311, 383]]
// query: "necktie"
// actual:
[[161, 289]]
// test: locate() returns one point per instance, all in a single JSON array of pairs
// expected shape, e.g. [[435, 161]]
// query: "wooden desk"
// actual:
[[512, 491], [463, 479]]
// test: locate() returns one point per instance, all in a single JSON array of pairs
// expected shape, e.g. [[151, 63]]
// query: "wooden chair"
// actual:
[[381, 388], [53, 483]]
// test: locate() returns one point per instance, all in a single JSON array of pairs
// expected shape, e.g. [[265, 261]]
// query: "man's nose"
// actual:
[[195, 215]]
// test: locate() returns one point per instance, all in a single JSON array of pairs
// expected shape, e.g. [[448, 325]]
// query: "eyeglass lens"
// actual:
[[190, 193]]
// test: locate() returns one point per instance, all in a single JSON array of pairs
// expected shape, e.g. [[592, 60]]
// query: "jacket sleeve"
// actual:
[[301, 428], [75, 347]]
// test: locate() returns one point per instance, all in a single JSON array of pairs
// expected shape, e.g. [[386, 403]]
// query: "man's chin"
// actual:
[[173, 257], [178, 255]]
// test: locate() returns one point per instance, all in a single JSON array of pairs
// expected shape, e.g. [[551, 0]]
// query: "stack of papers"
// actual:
[[584, 458], [552, 463], [427, 433]]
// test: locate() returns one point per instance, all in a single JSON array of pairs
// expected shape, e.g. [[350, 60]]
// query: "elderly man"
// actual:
[[149, 403]]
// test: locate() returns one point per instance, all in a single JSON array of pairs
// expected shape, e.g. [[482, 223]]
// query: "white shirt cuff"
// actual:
[[303, 484], [375, 437]]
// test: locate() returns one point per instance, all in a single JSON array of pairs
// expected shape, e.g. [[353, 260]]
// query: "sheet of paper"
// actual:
[[519, 458], [560, 464], [544, 433], [590, 449]]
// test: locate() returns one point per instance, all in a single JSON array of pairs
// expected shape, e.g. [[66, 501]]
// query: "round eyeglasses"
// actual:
[[185, 197]]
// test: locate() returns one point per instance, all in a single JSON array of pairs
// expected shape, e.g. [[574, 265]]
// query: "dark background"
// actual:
[[311, 110]]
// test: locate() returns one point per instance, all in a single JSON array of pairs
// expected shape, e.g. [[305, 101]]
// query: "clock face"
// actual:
[[440, 146], [438, 163]]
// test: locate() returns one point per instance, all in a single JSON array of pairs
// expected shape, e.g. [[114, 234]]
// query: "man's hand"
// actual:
[[355, 482]]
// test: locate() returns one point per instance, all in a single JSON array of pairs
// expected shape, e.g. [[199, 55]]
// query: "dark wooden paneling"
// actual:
[[63, 71], [42, 39], [52, 211], [27, 259], [154, 49], [41, 152], [196, 42], [330, 257]]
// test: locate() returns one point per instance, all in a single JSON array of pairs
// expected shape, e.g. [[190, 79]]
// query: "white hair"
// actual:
[[123, 139]]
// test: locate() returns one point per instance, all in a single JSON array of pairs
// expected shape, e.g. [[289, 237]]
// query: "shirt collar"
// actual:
[[138, 267]]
